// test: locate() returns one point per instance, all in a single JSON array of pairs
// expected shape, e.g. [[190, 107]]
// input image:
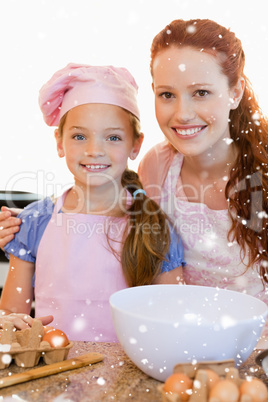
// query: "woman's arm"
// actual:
[[9, 225], [175, 276], [17, 294]]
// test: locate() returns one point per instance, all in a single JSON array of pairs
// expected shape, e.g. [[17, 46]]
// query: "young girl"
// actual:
[[101, 235], [212, 176]]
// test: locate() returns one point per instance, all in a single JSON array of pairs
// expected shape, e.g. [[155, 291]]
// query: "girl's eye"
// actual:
[[114, 138], [201, 93], [79, 137], [166, 95]]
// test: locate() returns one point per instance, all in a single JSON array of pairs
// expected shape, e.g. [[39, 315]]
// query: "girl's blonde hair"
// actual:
[[247, 188]]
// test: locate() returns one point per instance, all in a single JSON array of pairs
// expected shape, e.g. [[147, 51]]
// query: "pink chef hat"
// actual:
[[78, 84]]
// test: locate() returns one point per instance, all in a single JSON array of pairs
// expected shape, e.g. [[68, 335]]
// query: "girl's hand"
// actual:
[[22, 321], [9, 225]]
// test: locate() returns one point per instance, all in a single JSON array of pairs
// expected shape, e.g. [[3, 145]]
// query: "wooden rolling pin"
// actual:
[[51, 369]]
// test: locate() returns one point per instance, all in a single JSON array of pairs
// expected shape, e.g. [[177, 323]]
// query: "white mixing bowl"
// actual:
[[159, 326]]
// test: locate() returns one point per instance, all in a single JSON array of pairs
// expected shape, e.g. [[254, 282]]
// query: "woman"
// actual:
[[212, 176]]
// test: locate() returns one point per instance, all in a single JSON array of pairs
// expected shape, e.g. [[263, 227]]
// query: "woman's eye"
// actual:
[[201, 93], [79, 137], [166, 95]]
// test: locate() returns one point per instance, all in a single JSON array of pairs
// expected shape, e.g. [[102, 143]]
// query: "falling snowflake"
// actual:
[[5, 348], [143, 328], [191, 29], [227, 321], [256, 116], [228, 140], [6, 359], [182, 67], [197, 384], [144, 361], [101, 381], [262, 214]]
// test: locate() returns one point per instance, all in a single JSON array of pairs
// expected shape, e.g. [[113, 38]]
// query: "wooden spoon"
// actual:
[[51, 369]]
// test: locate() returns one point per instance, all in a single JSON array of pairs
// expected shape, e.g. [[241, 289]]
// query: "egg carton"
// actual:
[[225, 369], [25, 347]]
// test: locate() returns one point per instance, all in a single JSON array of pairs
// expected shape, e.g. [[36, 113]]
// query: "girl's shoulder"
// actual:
[[35, 218], [38, 208]]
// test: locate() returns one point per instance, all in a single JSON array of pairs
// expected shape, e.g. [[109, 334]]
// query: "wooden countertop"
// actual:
[[116, 378]]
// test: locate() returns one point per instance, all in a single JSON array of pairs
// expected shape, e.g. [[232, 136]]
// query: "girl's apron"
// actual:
[[76, 272]]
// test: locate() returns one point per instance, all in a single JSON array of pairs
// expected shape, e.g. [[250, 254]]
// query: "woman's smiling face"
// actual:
[[192, 100]]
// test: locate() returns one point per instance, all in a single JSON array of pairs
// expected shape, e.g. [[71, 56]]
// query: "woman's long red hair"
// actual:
[[247, 188]]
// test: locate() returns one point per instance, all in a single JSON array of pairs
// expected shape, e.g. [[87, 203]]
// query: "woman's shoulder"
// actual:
[[163, 150], [154, 167]]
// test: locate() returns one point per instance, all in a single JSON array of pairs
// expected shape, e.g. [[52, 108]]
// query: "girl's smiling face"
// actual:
[[97, 141], [193, 100]]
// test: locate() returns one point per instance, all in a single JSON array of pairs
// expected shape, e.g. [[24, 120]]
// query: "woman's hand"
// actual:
[[22, 321], [9, 225]]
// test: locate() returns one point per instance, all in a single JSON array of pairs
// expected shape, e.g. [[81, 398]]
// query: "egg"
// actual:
[[225, 391], [179, 383], [56, 338], [213, 378], [254, 388]]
